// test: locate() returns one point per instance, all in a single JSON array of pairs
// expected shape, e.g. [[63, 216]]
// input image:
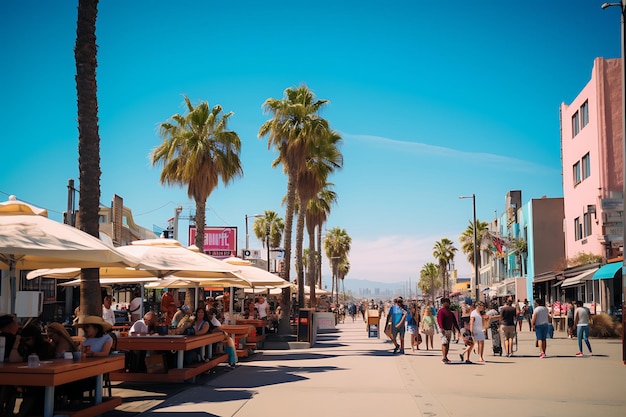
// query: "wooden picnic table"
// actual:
[[53, 373], [178, 344]]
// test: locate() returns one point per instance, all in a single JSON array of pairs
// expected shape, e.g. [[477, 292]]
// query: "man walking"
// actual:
[[540, 320], [508, 314], [581, 323], [397, 316], [447, 323]]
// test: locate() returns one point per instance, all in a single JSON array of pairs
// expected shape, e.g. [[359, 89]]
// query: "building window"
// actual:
[[576, 172], [587, 224], [586, 166], [578, 230], [584, 114], [575, 124]]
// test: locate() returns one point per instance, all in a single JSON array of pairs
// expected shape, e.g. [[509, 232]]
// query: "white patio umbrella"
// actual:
[[158, 258], [29, 240], [256, 276]]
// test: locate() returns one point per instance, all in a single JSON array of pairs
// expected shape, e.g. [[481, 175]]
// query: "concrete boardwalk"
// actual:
[[347, 374]]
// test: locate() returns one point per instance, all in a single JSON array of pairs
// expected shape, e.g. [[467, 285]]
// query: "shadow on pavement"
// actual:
[[267, 375]]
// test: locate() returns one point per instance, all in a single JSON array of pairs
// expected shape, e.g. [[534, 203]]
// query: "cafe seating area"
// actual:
[[157, 349]]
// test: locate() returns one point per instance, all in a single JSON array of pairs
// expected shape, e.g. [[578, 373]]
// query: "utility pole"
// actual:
[[177, 212]]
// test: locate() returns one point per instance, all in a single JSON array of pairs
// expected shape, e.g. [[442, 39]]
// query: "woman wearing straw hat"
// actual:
[[60, 339], [97, 340]]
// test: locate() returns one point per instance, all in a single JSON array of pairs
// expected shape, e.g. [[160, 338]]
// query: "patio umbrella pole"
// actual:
[[231, 306]]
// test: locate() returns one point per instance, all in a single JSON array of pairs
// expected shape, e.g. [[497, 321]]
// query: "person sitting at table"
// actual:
[[32, 342], [137, 358], [200, 327], [214, 324], [183, 311], [144, 326], [230, 350], [60, 340], [97, 340]]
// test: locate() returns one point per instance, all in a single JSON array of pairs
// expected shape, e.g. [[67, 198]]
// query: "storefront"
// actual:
[[607, 287]]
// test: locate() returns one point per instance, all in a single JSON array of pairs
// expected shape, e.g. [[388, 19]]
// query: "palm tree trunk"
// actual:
[[299, 251], [311, 271], [334, 265], [200, 221], [318, 259], [285, 325], [85, 53]]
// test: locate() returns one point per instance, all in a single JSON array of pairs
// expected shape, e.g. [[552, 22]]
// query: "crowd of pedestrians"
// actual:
[[472, 323]]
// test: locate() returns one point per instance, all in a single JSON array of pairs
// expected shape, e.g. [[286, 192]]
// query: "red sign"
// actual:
[[219, 242]]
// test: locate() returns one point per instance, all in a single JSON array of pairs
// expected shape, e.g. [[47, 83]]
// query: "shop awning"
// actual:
[[545, 277], [608, 271], [578, 279]]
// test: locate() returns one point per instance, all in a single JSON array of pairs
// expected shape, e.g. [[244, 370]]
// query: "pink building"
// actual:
[[591, 154]]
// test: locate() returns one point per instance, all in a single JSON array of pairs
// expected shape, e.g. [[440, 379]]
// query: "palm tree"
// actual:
[[85, 52], [198, 150], [293, 124], [467, 241], [269, 229], [444, 251], [317, 212], [429, 279], [337, 244], [324, 158]]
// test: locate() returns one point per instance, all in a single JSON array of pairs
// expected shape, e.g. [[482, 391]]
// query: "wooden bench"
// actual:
[[92, 410], [182, 372], [188, 373], [256, 340]]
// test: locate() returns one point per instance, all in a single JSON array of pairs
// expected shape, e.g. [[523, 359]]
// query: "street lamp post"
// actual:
[[622, 6], [476, 271], [256, 216]]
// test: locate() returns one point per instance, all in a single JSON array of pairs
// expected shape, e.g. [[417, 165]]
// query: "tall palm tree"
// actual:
[[293, 124], [467, 240], [444, 251], [342, 270], [317, 212], [269, 229], [85, 52], [429, 280], [198, 150], [324, 158], [337, 245]]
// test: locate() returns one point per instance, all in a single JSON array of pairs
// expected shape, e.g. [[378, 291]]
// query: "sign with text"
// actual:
[[219, 242]]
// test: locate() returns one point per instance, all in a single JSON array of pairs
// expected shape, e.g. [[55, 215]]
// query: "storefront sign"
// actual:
[[219, 242]]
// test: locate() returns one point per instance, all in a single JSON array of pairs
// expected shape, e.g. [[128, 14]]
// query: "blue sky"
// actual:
[[433, 99]]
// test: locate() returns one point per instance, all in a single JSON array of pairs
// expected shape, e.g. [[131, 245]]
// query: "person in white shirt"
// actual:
[[107, 311], [142, 327], [262, 307]]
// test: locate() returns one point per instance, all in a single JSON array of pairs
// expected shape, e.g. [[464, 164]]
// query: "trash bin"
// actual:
[[373, 323], [305, 323]]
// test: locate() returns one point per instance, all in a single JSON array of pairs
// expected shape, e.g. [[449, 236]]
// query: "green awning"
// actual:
[[608, 271]]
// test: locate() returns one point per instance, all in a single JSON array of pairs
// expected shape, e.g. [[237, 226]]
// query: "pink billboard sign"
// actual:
[[219, 242]]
